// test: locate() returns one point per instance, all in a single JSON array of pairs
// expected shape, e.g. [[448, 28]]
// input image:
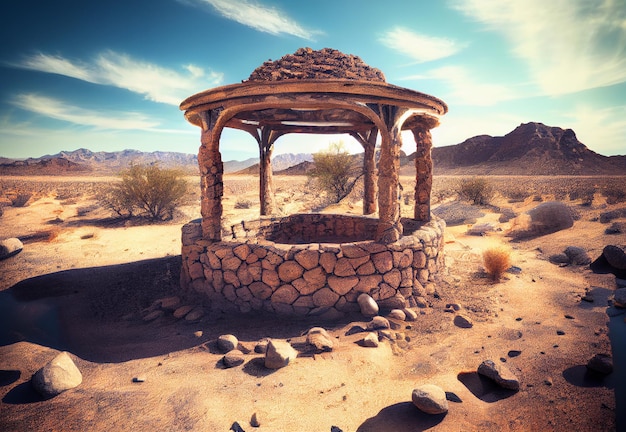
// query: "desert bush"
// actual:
[[584, 193], [496, 260], [478, 190], [515, 195], [149, 190], [243, 204], [335, 171], [21, 199], [614, 193]]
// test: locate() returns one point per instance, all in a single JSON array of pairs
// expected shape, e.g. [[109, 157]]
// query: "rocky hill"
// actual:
[[530, 149]]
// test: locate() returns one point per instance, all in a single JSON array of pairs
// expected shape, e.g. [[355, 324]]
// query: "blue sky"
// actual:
[[110, 75]]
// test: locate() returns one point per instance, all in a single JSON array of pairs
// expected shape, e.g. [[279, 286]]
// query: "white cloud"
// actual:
[[602, 130], [154, 82], [259, 17], [56, 109], [568, 45], [419, 47]]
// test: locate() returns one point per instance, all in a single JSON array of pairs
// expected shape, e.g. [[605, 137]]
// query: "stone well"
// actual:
[[289, 266], [315, 264]]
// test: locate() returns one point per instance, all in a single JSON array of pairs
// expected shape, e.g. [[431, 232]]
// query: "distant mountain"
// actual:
[[530, 149], [280, 163]]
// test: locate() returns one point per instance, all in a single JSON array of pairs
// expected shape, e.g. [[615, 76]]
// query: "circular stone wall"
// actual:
[[250, 273]]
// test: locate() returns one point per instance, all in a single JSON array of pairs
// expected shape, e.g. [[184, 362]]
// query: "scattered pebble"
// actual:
[[378, 323], [463, 322], [560, 332], [370, 340], [233, 358], [514, 353], [139, 379]]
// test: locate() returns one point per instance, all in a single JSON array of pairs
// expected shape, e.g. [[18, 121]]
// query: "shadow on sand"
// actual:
[[484, 388], [403, 416], [96, 314]]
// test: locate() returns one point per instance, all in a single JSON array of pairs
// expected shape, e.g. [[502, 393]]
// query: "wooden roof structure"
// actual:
[[319, 97]]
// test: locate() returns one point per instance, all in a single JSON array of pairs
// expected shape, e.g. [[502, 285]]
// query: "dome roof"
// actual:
[[326, 63]]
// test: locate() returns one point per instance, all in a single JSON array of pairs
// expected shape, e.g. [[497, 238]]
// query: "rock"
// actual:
[[602, 265], [615, 256], [9, 247], [195, 314], [58, 375], [458, 213], [514, 353], [430, 399], [620, 283], [198, 333], [320, 339], [500, 374], [619, 298], [261, 346], [169, 303], [139, 379], [233, 358], [279, 354], [153, 315], [577, 256], [236, 427], [544, 219], [355, 329], [378, 323], [182, 311], [463, 322], [559, 259], [616, 228], [481, 229], [370, 340], [601, 363], [226, 343], [368, 306], [254, 420], [397, 314], [410, 314]]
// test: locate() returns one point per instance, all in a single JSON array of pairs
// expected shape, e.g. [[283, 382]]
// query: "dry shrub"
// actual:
[[497, 260], [243, 204], [478, 190], [21, 199], [614, 193]]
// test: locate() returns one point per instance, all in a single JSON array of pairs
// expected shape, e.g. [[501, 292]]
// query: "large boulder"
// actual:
[[612, 260], [58, 375], [10, 247], [500, 374], [546, 218]]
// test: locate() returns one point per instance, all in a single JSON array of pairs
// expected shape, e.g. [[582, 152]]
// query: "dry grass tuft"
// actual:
[[497, 260]]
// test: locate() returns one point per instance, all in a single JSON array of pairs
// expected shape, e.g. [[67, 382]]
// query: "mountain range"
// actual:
[[530, 149]]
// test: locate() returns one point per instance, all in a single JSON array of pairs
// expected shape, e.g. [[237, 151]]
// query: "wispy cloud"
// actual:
[[154, 82], [600, 128], [568, 45], [421, 48], [262, 18], [462, 87], [57, 109]]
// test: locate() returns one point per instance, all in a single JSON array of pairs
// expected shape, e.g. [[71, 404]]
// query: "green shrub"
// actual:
[[335, 171], [147, 190], [477, 190]]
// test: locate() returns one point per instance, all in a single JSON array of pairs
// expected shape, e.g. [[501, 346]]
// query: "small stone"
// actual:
[[397, 314], [195, 314], [226, 343], [430, 399], [9, 247], [378, 323], [320, 339], [139, 379], [410, 314], [233, 358], [453, 306], [182, 311], [198, 333], [548, 381], [279, 354], [463, 322], [236, 427], [453, 397], [619, 298], [514, 353], [601, 363], [368, 305], [577, 256], [58, 375], [254, 420], [560, 332], [261, 346], [370, 340], [153, 315], [569, 317], [499, 373]]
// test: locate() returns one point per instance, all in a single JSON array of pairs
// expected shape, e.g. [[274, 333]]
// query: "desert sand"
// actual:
[[78, 288]]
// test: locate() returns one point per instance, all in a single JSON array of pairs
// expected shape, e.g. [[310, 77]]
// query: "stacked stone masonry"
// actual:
[[287, 277]]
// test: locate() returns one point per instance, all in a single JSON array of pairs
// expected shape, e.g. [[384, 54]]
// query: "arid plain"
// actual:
[[76, 287]]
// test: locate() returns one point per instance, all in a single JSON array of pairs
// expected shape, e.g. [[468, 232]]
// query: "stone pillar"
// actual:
[[370, 173], [389, 226], [423, 172], [211, 178]]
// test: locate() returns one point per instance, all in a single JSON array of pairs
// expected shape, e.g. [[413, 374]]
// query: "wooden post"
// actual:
[[370, 173], [211, 178]]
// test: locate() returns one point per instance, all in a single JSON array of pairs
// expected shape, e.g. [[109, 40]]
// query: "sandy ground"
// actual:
[[83, 289]]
